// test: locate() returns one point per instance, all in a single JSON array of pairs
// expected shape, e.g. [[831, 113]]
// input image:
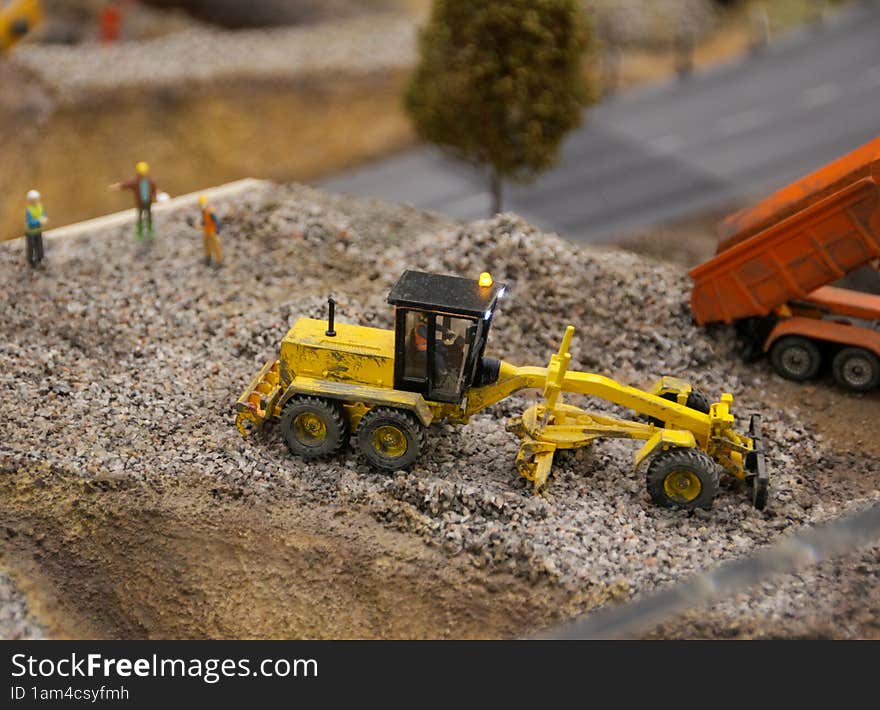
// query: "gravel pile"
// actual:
[[16, 621], [120, 362], [358, 46]]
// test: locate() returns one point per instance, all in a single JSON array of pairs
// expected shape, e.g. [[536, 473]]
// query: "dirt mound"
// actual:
[[121, 364]]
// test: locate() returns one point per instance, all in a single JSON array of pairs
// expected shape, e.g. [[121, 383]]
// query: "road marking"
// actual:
[[742, 122], [821, 95], [667, 144]]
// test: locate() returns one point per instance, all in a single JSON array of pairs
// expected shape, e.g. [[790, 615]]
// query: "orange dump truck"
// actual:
[[775, 261]]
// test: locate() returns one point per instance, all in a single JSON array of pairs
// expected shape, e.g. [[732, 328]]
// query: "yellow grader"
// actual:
[[384, 388]]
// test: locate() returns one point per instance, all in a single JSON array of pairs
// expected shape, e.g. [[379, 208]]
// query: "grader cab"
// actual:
[[441, 327], [383, 389]]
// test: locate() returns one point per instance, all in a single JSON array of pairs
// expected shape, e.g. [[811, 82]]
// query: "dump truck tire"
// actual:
[[796, 358], [390, 439], [683, 478], [856, 369], [696, 400], [313, 427]]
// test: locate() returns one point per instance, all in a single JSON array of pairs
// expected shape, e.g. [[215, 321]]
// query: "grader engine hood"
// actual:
[[356, 354]]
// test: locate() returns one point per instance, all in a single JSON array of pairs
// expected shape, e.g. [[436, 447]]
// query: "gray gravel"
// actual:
[[125, 363], [17, 623]]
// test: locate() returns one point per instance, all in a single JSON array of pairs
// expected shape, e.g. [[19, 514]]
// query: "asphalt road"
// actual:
[[665, 152]]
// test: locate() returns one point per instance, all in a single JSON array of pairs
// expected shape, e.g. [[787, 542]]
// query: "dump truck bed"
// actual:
[[804, 237], [861, 164]]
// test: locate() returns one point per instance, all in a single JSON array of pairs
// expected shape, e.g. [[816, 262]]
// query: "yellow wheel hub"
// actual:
[[389, 441], [310, 428], [682, 486]]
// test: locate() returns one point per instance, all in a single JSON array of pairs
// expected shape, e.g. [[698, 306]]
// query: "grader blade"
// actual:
[[756, 465], [534, 461]]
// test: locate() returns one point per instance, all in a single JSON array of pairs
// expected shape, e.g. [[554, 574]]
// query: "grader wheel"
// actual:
[[313, 427], [390, 439], [683, 478], [696, 400]]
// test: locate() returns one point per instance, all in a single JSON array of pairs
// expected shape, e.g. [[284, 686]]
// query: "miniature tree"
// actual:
[[499, 84]]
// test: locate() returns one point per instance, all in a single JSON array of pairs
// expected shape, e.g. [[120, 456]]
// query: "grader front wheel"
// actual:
[[683, 478]]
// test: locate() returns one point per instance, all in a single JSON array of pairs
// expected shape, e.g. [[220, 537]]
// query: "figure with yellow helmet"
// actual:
[[145, 194], [211, 226]]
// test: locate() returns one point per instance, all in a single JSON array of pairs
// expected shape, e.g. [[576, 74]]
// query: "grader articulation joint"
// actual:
[[384, 388]]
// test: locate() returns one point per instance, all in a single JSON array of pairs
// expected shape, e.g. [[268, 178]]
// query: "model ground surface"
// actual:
[[131, 506]]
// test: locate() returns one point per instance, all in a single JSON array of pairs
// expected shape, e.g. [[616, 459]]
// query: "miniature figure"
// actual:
[[110, 22], [383, 388], [145, 194], [211, 226], [35, 219], [775, 263]]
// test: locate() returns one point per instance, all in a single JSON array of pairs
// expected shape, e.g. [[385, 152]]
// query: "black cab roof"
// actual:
[[440, 292]]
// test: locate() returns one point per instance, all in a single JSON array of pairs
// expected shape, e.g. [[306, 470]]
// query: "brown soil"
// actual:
[[103, 559]]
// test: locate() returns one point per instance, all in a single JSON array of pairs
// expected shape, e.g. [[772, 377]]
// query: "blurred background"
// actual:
[[698, 105]]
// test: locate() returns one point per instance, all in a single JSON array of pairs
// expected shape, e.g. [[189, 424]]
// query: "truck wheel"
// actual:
[[683, 478], [696, 400], [856, 369], [796, 358], [390, 439], [313, 427]]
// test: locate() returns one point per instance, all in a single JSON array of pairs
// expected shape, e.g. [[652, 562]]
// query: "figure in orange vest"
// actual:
[[211, 226]]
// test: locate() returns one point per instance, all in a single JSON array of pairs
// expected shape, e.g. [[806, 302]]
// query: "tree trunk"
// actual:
[[495, 187]]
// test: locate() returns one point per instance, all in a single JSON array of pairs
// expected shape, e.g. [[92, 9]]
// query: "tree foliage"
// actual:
[[501, 83]]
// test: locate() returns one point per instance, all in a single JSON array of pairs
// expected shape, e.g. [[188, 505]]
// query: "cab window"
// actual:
[[416, 359], [451, 350]]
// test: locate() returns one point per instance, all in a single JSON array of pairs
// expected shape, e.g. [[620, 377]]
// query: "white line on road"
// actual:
[[821, 95], [742, 122]]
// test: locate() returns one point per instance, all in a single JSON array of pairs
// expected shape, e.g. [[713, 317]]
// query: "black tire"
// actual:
[[796, 358], [760, 492], [683, 478], [696, 400], [313, 427], [390, 439], [856, 369]]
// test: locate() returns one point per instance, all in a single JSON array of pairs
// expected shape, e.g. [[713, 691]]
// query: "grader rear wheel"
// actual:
[[313, 427], [683, 478], [390, 439]]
